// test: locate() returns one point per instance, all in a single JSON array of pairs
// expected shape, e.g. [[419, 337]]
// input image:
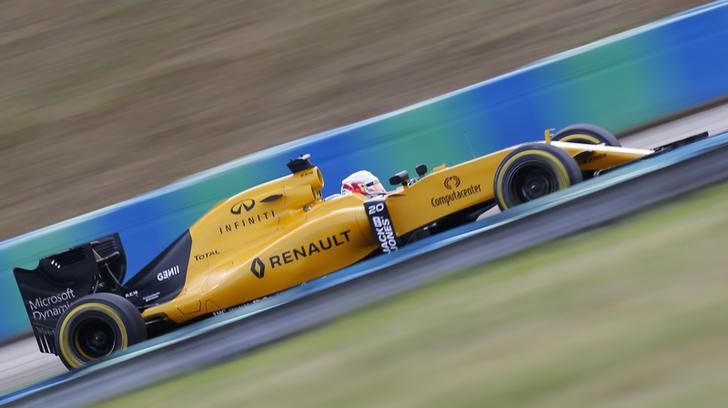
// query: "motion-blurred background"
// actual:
[[101, 101]]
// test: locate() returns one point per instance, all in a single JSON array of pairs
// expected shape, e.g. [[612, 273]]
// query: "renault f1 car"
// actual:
[[283, 233]]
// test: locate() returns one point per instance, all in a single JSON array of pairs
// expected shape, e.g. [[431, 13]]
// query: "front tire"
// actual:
[[532, 171], [587, 134], [96, 326]]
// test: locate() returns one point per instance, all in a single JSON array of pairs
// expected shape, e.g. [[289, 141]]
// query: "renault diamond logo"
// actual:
[[258, 268], [452, 182]]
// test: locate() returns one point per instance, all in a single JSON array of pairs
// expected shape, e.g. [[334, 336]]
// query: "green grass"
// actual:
[[629, 315]]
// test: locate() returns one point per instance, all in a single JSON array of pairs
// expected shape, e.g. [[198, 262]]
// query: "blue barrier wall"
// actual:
[[622, 82]]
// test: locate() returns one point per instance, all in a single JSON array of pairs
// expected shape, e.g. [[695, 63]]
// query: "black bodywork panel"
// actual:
[[163, 278], [382, 225]]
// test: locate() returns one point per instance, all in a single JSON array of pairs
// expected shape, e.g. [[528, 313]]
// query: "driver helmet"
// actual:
[[362, 182]]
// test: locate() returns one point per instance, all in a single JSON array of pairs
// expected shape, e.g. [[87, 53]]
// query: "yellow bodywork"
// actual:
[[283, 233]]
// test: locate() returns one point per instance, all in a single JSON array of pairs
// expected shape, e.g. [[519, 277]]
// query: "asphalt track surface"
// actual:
[[21, 363]]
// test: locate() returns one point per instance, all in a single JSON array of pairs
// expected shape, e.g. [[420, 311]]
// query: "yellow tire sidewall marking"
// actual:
[[64, 342], [590, 138], [562, 175]]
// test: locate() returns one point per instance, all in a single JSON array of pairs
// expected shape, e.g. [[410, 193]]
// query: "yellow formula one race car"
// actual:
[[280, 234]]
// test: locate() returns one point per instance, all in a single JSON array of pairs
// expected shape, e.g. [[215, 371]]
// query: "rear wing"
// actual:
[[60, 279]]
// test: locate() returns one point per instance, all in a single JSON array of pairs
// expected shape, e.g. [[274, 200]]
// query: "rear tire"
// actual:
[[532, 171], [587, 134], [96, 326]]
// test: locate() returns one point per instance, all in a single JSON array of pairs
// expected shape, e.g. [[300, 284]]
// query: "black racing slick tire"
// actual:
[[587, 134], [96, 326], [531, 171]]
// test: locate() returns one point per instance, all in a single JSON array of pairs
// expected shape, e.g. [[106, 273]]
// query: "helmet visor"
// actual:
[[374, 188]]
